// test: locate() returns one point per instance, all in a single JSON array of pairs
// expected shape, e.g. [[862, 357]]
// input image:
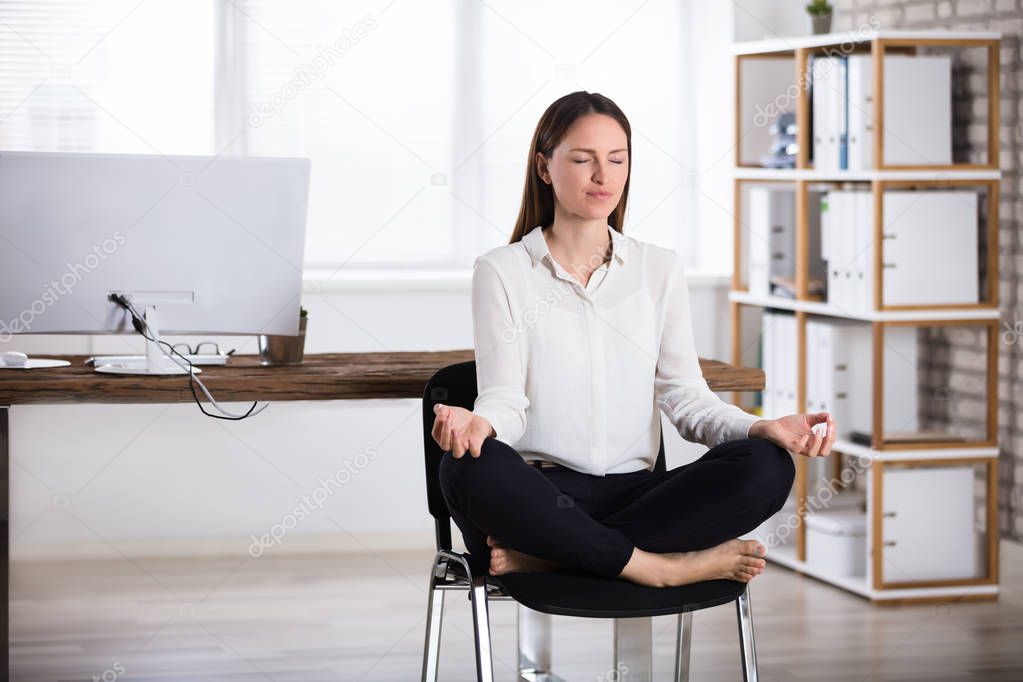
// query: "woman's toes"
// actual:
[[746, 572], [753, 548], [752, 561]]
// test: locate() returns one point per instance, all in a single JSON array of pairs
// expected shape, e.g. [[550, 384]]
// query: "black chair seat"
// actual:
[[567, 593]]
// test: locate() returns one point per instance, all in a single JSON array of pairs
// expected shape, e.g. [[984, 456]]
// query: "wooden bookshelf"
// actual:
[[882, 455]]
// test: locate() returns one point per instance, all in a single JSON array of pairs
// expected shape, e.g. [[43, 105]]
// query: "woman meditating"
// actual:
[[582, 337]]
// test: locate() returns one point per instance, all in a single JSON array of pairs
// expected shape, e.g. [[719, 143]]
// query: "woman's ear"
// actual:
[[541, 168]]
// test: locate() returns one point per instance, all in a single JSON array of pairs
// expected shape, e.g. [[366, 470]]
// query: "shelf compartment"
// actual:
[[804, 227], [983, 192], [766, 86], [893, 382], [763, 90], [786, 556], [898, 515], [964, 53], [936, 399], [919, 510]]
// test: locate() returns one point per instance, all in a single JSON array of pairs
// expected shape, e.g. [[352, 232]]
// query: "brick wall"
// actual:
[[956, 360]]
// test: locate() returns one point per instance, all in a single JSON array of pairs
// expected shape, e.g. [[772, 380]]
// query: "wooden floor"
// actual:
[[361, 617]]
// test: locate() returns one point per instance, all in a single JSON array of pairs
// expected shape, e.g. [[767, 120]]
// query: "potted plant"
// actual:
[[819, 13], [275, 349]]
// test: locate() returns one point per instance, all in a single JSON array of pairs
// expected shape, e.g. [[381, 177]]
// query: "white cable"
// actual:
[[215, 404], [188, 371]]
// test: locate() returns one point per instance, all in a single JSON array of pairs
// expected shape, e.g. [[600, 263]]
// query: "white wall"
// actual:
[[765, 19], [106, 480], [711, 27], [713, 81]]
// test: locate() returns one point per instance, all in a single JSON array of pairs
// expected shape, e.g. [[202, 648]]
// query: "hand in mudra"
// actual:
[[796, 434], [458, 429]]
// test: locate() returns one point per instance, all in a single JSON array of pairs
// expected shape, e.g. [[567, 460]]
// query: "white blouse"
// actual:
[[576, 375]]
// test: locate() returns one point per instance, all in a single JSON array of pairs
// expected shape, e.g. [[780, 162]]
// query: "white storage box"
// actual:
[[836, 542], [928, 528]]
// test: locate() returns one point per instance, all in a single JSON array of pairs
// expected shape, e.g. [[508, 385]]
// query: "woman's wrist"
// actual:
[[756, 430], [488, 427]]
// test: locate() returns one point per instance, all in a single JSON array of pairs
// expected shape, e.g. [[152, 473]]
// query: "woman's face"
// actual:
[[588, 169]]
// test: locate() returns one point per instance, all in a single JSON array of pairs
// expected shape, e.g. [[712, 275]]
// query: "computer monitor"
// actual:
[[214, 244]]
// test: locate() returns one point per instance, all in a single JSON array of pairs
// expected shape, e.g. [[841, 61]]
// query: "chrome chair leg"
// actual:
[[480, 617], [746, 644], [434, 619], [683, 642], [534, 645], [481, 624], [633, 649]]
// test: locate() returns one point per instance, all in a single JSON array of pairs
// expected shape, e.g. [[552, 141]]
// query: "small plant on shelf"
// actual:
[[819, 14]]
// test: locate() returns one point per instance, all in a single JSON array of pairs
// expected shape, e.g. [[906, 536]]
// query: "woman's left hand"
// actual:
[[795, 433]]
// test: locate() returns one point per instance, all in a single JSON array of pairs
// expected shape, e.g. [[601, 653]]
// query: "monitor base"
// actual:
[[140, 366]]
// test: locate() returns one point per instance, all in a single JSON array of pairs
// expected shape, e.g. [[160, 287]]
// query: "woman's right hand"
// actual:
[[458, 429]]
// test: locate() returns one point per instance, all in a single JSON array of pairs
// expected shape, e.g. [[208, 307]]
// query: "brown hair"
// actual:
[[538, 197]]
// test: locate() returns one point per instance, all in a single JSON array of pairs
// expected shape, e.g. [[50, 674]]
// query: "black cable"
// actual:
[[139, 323]]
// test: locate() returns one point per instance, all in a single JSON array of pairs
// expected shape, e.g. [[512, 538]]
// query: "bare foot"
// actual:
[[507, 560], [738, 560]]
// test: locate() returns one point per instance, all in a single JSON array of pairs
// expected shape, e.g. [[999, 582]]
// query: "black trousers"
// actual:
[[592, 523]]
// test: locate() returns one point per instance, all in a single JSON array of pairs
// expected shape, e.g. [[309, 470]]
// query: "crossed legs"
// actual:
[[654, 528]]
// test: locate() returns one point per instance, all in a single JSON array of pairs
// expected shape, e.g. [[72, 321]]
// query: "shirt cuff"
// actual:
[[501, 428], [744, 423]]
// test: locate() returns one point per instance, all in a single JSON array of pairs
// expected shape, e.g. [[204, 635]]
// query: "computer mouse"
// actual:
[[13, 358]]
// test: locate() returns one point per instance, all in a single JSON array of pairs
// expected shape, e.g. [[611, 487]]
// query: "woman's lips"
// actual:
[[599, 195]]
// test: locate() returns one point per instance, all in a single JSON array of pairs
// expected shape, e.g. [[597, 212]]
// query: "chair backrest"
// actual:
[[456, 385]]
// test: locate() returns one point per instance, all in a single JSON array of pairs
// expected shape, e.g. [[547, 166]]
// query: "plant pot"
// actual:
[[819, 23], [283, 350]]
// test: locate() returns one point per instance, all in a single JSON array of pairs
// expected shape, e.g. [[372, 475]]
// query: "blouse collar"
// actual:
[[536, 244]]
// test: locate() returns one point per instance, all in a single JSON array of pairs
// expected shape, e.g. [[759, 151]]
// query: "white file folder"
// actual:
[[773, 236], [928, 530], [917, 110], [863, 262], [828, 92], [860, 80], [839, 364], [930, 247], [769, 357]]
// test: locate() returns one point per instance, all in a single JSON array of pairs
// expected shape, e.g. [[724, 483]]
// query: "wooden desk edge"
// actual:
[[323, 376]]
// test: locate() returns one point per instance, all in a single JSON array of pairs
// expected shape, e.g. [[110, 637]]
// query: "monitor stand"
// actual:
[[154, 362]]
